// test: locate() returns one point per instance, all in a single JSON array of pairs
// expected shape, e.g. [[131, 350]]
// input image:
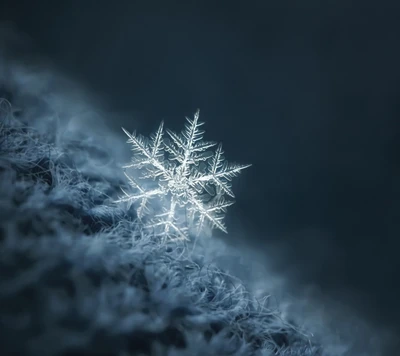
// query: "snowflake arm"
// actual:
[[186, 146], [138, 147], [143, 195], [169, 222], [150, 153], [213, 212], [157, 140], [192, 133], [220, 172]]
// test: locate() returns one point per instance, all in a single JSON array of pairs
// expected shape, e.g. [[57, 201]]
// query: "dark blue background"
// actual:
[[307, 93]]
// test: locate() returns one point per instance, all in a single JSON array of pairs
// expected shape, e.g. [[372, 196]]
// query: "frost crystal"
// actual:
[[183, 185]]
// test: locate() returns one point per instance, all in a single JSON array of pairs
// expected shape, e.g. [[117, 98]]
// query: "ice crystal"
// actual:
[[183, 185]]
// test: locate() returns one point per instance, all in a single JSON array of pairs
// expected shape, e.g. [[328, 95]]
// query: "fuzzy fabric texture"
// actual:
[[79, 277]]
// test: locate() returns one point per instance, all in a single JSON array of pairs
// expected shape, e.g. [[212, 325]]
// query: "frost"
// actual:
[[183, 186]]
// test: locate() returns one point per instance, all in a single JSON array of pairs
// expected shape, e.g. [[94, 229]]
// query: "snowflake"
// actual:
[[186, 183]]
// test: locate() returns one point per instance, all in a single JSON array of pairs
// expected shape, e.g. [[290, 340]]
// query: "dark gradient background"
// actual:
[[306, 91]]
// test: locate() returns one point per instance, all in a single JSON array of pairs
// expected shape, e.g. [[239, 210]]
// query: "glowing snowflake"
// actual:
[[189, 182]]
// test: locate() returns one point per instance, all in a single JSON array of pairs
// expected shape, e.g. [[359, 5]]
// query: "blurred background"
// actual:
[[308, 92]]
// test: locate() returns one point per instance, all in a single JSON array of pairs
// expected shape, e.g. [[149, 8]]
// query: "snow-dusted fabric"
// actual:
[[79, 276]]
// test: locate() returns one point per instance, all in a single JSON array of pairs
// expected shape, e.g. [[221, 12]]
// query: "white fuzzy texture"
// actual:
[[80, 274]]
